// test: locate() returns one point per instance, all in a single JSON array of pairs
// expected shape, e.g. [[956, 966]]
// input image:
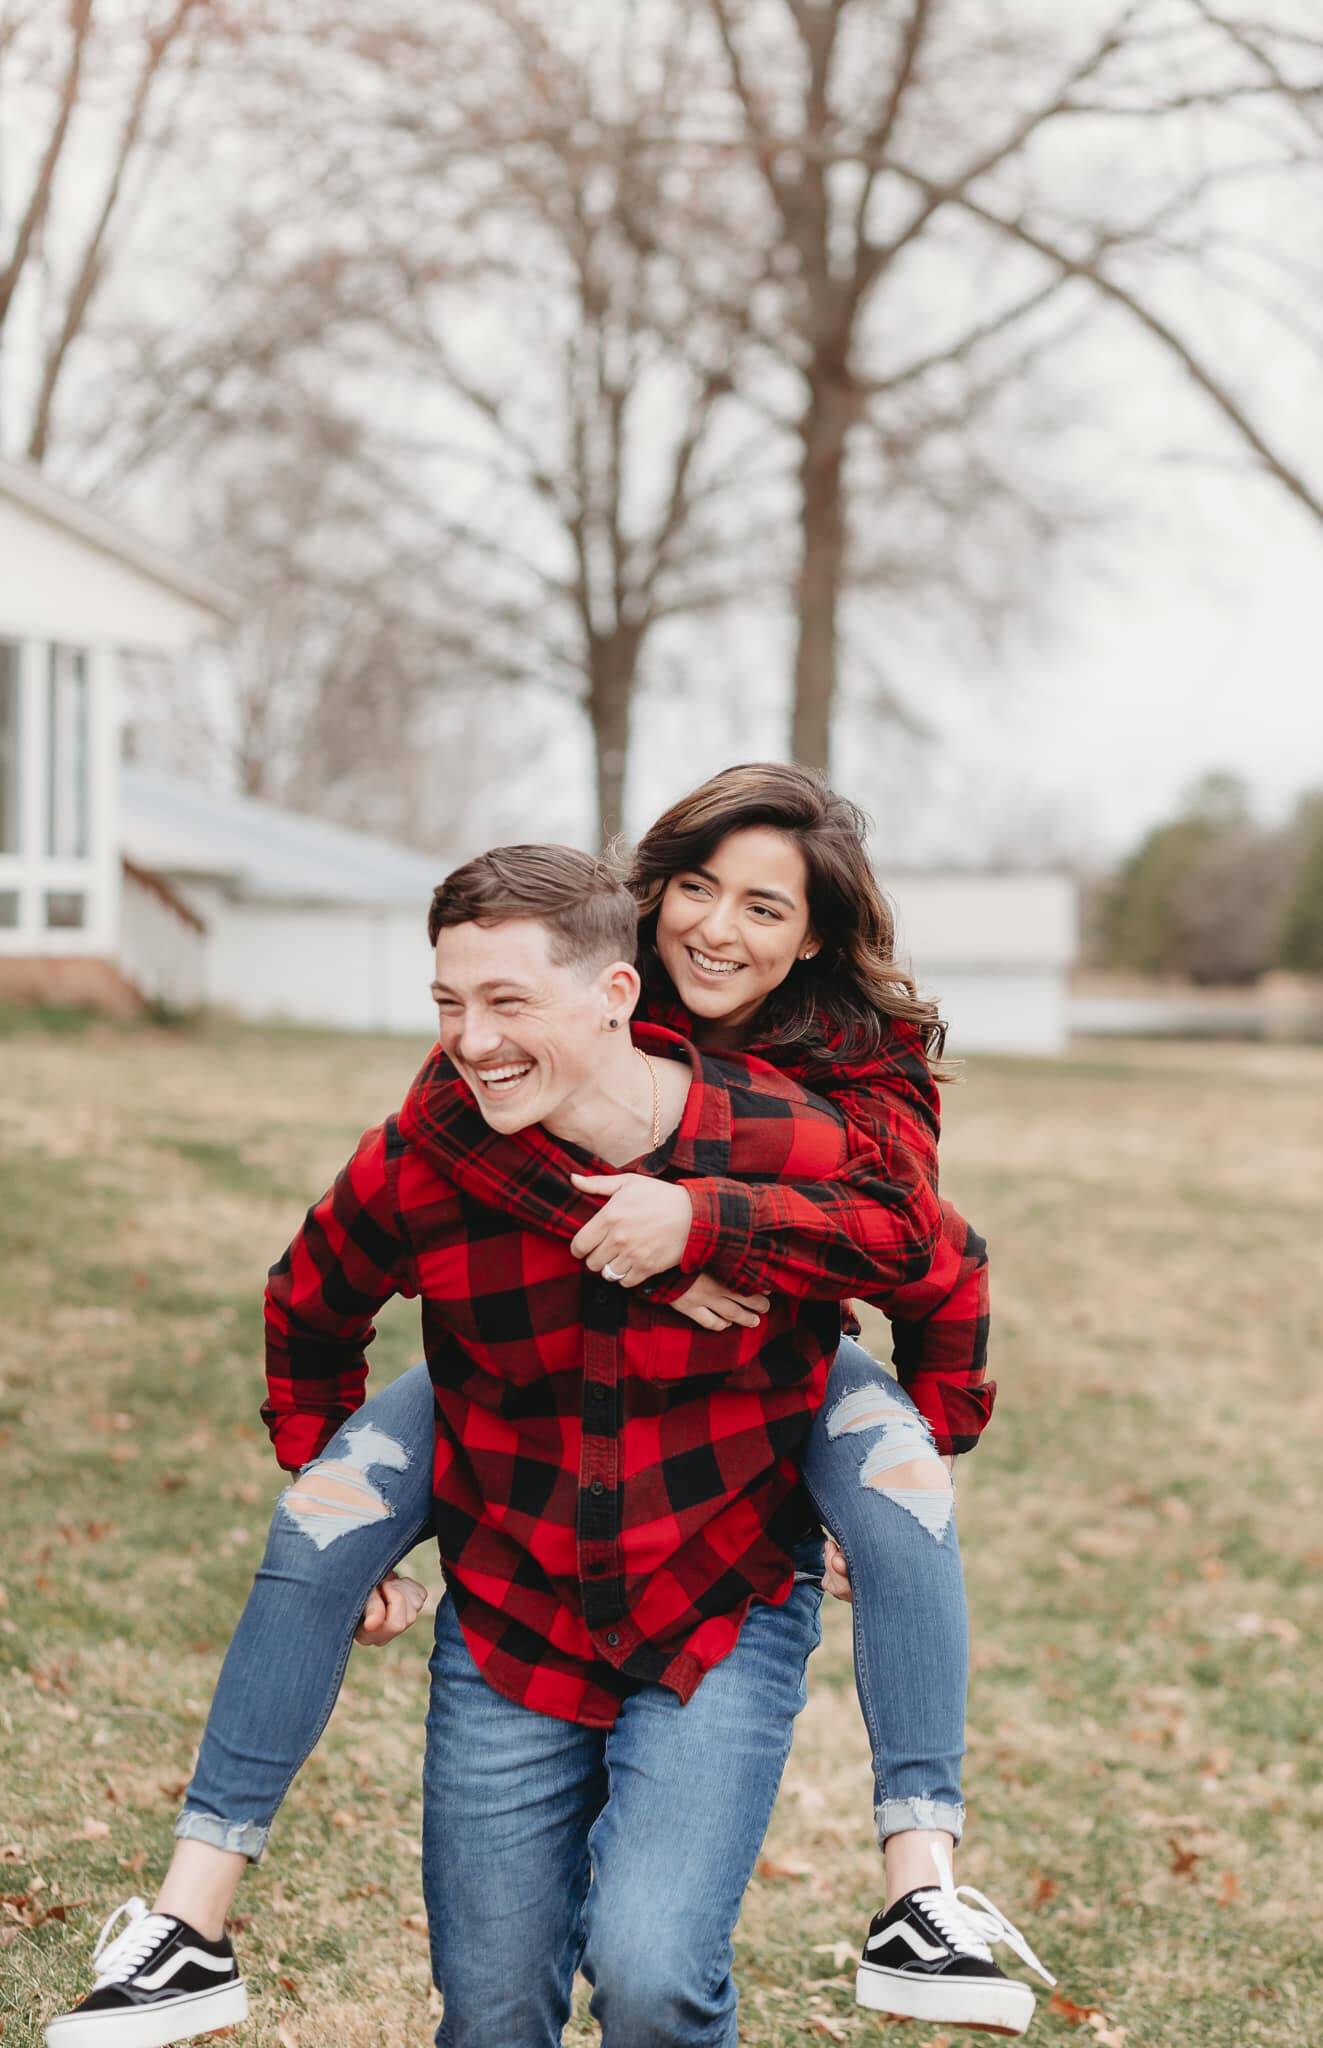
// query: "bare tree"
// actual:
[[525, 338], [110, 96], [895, 148]]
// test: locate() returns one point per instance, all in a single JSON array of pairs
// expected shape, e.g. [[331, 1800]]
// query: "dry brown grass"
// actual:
[[1141, 1531]]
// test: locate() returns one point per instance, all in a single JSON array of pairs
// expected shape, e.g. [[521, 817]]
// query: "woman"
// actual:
[[763, 933]]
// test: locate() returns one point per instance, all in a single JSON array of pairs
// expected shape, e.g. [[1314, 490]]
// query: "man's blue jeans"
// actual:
[[623, 1852]]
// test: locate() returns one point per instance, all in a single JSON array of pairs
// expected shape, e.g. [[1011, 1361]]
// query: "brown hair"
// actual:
[[590, 914], [836, 1005]]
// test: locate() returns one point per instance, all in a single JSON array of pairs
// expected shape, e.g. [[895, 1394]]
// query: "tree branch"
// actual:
[[80, 20]]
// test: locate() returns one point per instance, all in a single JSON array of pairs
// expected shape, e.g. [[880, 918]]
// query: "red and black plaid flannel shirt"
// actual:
[[939, 1323], [613, 1484]]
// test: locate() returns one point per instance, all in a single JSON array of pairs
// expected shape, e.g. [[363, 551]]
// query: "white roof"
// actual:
[[257, 850], [28, 488]]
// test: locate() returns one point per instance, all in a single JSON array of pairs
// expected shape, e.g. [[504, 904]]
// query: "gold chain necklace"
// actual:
[[656, 1097]]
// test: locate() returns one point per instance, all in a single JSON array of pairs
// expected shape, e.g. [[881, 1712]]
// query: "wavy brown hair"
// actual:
[[837, 1005]]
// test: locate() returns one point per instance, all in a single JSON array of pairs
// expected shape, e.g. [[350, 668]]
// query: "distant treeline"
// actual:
[[1215, 896]]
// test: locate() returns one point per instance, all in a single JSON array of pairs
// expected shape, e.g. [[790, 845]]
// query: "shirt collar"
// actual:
[[442, 1115]]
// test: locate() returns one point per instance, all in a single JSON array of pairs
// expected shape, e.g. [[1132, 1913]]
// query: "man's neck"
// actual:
[[615, 1120]]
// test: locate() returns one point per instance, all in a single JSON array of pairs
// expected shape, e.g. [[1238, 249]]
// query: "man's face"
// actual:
[[525, 1033]]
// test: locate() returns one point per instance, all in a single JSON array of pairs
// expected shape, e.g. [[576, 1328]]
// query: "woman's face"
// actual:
[[730, 931]]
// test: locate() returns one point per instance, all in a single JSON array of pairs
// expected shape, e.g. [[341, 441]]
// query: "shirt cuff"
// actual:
[[721, 1233]]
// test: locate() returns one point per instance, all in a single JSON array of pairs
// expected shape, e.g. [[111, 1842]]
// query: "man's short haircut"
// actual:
[[590, 914]]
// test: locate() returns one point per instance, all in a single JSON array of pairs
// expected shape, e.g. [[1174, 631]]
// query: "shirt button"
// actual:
[[597, 1487], [612, 1638], [595, 1570]]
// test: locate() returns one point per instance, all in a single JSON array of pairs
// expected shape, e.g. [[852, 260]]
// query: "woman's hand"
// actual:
[[710, 1304], [392, 1607], [642, 1228]]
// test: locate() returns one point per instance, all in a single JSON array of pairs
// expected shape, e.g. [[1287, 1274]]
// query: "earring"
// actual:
[[613, 1024]]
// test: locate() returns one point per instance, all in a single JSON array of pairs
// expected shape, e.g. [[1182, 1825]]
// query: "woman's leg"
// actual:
[[335, 1534], [887, 1499]]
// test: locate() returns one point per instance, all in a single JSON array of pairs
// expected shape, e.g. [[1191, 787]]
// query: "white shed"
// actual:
[[305, 921], [78, 597], [996, 950]]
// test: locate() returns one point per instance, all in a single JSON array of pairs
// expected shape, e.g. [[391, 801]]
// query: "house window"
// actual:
[[66, 910], [8, 910], [8, 748], [67, 755]]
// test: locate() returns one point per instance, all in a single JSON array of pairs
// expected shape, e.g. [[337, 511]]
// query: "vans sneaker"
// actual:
[[928, 1959], [158, 1980]]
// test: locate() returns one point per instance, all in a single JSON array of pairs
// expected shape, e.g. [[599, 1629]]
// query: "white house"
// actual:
[[996, 950], [304, 921], [121, 881], [79, 598]]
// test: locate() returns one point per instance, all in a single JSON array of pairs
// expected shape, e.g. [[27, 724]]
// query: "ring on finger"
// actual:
[[609, 1272]]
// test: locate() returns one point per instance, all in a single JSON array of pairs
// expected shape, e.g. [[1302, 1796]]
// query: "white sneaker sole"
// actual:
[[152, 2026], [1005, 2008]]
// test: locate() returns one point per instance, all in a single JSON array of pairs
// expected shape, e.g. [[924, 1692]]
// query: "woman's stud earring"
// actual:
[[613, 1024]]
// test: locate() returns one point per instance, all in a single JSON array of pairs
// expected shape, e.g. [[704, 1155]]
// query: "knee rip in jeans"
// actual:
[[336, 1496], [902, 1465]]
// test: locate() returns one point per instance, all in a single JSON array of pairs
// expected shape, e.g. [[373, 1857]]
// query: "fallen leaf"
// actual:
[[788, 1866], [1045, 1888], [93, 1830], [343, 1818], [415, 1922], [1107, 2037], [836, 2030], [1184, 1862], [22, 1907], [1228, 1891], [842, 1953], [287, 2037], [11, 1852], [1067, 2010]]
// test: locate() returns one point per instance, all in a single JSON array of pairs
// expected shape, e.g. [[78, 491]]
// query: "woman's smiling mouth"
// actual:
[[712, 968]]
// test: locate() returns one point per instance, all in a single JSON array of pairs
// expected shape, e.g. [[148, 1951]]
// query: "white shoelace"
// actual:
[[970, 1927], [117, 1960]]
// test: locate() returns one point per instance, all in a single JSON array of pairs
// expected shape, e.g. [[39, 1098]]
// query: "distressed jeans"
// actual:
[[624, 1852], [283, 1670]]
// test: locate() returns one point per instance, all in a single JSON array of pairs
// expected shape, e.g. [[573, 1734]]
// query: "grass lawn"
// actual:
[[1141, 1531]]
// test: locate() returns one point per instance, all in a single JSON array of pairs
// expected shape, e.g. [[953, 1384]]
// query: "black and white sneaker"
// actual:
[[928, 1959], [158, 1980]]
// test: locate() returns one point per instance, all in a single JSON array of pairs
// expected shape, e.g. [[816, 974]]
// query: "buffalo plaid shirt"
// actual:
[[939, 1323], [613, 1485]]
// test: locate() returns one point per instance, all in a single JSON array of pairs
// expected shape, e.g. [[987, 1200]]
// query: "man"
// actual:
[[615, 1487]]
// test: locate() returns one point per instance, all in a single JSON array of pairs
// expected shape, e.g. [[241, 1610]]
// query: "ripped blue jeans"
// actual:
[[367, 1502]]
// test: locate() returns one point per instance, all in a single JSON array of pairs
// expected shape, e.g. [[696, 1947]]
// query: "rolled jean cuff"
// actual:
[[240, 1837], [898, 1816]]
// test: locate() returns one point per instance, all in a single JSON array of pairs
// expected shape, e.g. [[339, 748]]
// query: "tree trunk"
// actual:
[[613, 663], [822, 569]]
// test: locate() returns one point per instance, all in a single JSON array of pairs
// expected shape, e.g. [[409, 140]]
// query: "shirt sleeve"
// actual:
[[872, 1224], [349, 1257], [939, 1311], [939, 1332]]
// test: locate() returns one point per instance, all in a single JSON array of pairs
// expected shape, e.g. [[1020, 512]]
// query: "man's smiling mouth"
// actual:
[[501, 1080]]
